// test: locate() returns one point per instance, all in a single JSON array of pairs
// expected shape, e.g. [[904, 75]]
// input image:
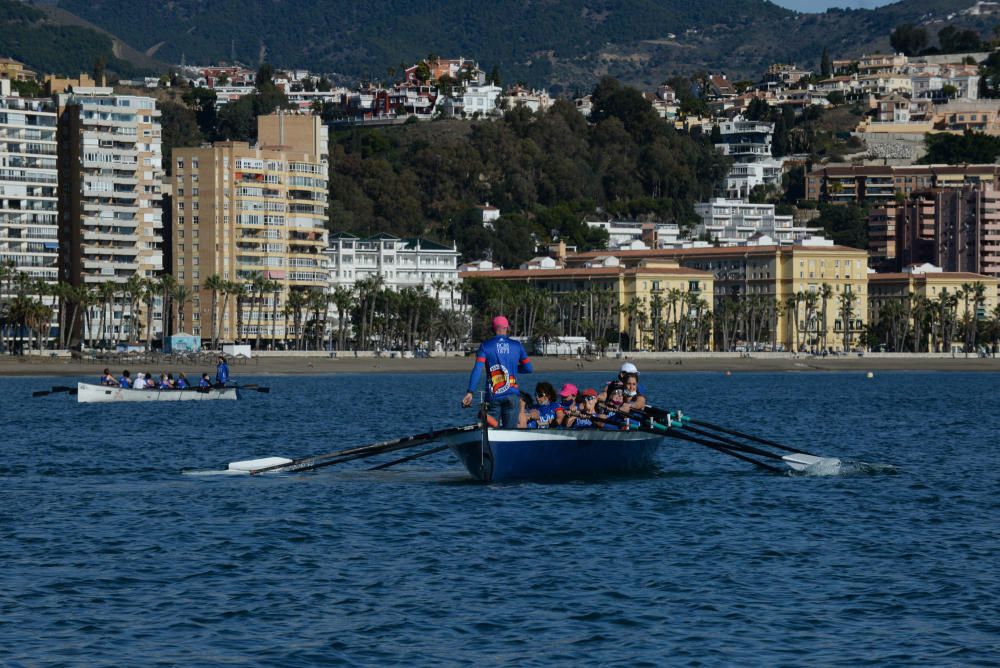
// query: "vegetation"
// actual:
[[29, 36], [966, 148], [545, 172], [918, 323], [846, 224], [562, 42]]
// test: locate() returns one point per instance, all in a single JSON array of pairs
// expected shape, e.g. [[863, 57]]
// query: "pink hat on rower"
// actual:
[[499, 322], [568, 390]]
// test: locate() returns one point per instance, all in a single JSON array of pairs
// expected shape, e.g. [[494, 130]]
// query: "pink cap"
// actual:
[[568, 390], [499, 322]]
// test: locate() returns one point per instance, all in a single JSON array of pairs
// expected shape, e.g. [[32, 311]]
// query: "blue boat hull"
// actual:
[[506, 455]]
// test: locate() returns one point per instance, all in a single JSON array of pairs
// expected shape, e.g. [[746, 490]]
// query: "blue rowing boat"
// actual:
[[505, 455]]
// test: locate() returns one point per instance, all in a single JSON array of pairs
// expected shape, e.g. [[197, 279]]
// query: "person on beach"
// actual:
[[502, 358], [125, 381], [221, 372]]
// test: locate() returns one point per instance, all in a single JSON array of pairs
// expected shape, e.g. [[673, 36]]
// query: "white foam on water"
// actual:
[[831, 466]]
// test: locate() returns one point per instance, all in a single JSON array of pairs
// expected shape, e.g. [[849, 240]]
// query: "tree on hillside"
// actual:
[[825, 65], [953, 40], [179, 127], [846, 224], [969, 147], [909, 39]]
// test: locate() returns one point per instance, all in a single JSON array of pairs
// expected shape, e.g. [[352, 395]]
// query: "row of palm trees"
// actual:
[[918, 323]]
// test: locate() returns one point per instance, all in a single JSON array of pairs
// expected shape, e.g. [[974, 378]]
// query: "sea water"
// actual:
[[111, 555]]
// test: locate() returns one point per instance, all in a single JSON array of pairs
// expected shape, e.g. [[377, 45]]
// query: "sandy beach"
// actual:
[[266, 366]]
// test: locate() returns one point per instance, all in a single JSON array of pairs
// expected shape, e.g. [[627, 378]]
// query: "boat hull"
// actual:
[[506, 455], [101, 394]]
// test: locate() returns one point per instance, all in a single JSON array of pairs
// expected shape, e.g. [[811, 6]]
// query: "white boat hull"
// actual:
[[101, 394]]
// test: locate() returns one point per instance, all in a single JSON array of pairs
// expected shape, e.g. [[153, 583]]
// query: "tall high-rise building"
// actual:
[[28, 232], [110, 194], [246, 213]]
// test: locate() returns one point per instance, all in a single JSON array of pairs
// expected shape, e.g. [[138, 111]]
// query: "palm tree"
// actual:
[[847, 300], [168, 285], [215, 285], [343, 300], [181, 296], [825, 293]]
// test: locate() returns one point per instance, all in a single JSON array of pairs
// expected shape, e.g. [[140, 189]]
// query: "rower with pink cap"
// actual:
[[503, 359]]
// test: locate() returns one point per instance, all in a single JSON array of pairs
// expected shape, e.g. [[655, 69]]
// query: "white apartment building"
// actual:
[[748, 143], [110, 195], [733, 221], [28, 179], [634, 234], [402, 263], [482, 99]]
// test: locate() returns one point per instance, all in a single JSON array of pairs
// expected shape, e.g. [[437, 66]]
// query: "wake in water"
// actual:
[[830, 466]]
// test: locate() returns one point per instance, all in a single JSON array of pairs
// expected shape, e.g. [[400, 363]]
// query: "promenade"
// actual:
[[277, 364]]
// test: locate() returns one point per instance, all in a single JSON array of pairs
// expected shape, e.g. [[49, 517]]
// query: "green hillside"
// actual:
[[47, 44], [568, 43]]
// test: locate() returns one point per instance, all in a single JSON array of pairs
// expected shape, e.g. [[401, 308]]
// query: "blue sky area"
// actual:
[[823, 5]]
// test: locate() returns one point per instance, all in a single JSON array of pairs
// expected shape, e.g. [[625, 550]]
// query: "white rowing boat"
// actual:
[[88, 393]]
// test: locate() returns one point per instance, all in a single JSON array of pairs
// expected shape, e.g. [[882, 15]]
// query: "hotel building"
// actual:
[[242, 212], [110, 192], [401, 263]]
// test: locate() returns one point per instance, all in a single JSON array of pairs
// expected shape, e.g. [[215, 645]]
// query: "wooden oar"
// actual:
[[425, 453], [797, 460], [733, 432], [269, 465], [55, 389]]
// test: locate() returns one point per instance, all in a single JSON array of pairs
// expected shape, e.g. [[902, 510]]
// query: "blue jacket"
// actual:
[[124, 382], [222, 373], [502, 357]]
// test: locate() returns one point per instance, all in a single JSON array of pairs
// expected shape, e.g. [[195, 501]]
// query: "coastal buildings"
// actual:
[[732, 221], [398, 263], [253, 214], [880, 183], [957, 229], [28, 193], [611, 299], [110, 193], [748, 143], [796, 277], [637, 234]]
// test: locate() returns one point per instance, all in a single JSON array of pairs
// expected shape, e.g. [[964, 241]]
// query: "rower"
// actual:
[[108, 379], [204, 382], [182, 382], [125, 381], [221, 371]]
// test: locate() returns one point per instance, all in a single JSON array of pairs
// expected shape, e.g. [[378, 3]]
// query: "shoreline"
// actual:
[[295, 366]]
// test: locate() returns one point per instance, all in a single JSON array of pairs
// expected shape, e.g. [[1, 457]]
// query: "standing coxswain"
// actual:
[[502, 358]]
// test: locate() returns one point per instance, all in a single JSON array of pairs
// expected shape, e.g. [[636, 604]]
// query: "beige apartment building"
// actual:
[[781, 273], [878, 183], [110, 192], [244, 212]]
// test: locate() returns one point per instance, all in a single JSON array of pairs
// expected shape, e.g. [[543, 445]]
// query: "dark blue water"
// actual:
[[109, 555]]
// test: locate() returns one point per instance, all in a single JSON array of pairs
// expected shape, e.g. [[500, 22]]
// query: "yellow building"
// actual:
[[242, 213], [917, 297], [14, 70], [655, 304], [802, 297], [55, 84]]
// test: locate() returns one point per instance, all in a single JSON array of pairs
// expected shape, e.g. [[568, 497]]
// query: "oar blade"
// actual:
[[41, 393], [61, 388], [263, 390], [250, 465], [799, 461]]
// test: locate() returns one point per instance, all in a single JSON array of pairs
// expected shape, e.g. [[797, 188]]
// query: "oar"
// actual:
[[660, 430], [733, 432], [425, 453], [798, 461], [271, 464], [55, 389]]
